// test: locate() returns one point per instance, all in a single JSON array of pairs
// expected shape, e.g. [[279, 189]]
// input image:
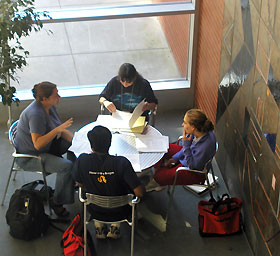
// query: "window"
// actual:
[[87, 45]]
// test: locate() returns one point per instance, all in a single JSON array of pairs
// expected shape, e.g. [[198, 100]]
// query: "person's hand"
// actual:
[[65, 125], [110, 106], [146, 106], [170, 163], [186, 136]]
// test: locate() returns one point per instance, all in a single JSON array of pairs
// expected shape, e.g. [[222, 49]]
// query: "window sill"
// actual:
[[97, 89]]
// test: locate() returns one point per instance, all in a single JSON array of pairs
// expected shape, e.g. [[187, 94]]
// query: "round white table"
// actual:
[[122, 145]]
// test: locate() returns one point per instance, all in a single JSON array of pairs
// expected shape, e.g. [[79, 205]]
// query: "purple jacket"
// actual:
[[195, 155]]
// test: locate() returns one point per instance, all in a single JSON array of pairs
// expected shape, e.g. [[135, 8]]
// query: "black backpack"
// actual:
[[39, 187], [26, 215]]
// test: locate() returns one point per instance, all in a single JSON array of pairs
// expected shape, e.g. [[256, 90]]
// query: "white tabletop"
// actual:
[[122, 144]]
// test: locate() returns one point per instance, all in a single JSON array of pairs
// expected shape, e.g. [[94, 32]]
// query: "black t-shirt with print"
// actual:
[[106, 175]]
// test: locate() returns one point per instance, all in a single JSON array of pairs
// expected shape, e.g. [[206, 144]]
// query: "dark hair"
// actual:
[[127, 73], [199, 120], [100, 139], [43, 89]]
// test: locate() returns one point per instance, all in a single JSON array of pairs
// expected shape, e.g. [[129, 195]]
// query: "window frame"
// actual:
[[127, 12]]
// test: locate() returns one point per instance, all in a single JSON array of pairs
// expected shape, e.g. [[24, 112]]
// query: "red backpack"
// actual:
[[73, 241]]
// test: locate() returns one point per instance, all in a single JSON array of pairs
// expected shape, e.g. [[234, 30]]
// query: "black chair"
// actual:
[[15, 167]]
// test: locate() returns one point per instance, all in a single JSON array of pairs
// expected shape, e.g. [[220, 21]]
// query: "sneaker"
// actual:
[[114, 232], [154, 186], [100, 233]]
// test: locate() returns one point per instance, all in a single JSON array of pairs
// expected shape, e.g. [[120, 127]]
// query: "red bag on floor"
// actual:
[[220, 218], [73, 240]]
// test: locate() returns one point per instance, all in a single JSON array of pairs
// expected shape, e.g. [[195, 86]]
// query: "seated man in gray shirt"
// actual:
[[102, 174]]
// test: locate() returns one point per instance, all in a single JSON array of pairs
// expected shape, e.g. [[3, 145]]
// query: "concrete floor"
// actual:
[[180, 238]]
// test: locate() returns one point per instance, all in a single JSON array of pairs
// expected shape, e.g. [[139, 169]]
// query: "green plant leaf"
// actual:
[[15, 24]]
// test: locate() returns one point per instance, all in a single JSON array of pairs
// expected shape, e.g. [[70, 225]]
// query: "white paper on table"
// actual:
[[104, 120], [152, 143], [122, 144], [136, 113], [134, 160], [80, 144], [120, 119]]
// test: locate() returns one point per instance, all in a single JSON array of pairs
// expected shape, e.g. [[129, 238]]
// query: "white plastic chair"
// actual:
[[109, 202], [15, 168]]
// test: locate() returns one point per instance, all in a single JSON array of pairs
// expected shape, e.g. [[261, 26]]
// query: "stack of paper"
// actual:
[[124, 121], [116, 124], [147, 143]]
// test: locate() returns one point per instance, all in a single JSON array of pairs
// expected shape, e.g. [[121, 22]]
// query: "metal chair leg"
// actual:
[[171, 196], [213, 176], [8, 182], [15, 174], [46, 186], [85, 230], [132, 231], [209, 188], [47, 191], [215, 185]]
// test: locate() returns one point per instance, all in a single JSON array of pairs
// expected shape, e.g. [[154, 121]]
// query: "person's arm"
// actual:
[[149, 106], [76, 170], [67, 135], [139, 191], [151, 100], [179, 155], [131, 178], [200, 153], [40, 141], [106, 94], [107, 104]]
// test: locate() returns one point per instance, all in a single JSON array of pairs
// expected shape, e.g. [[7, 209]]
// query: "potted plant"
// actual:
[[18, 19]]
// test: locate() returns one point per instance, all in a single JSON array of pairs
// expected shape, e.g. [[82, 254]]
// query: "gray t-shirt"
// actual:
[[34, 119]]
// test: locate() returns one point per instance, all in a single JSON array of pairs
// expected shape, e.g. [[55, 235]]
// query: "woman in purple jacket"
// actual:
[[198, 147]]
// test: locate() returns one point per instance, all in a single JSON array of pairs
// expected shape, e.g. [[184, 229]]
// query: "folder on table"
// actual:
[[122, 121], [137, 127], [118, 125]]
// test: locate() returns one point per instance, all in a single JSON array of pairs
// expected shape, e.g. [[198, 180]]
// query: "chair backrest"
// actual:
[[109, 201], [13, 132], [208, 165], [152, 116]]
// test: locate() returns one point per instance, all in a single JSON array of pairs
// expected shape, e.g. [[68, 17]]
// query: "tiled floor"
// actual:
[[152, 237]]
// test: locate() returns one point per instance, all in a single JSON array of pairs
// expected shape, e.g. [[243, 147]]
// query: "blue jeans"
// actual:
[[64, 185]]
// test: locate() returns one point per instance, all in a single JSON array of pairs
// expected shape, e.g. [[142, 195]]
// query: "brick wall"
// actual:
[[176, 29], [208, 56]]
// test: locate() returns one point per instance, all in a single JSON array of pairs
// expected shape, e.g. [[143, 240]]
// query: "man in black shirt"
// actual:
[[103, 174]]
